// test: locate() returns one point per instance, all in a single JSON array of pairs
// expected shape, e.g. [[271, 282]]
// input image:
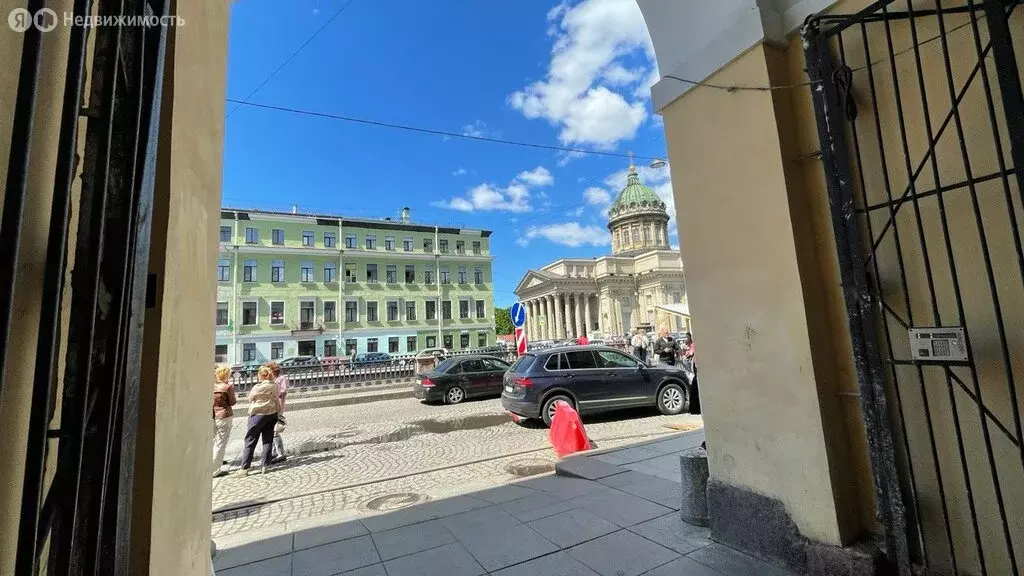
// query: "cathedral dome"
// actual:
[[637, 219], [635, 194]]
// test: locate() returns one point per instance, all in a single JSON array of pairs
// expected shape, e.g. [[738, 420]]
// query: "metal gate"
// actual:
[[921, 124], [77, 488]]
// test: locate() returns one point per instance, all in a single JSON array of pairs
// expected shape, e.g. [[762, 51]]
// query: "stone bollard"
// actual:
[[693, 467]]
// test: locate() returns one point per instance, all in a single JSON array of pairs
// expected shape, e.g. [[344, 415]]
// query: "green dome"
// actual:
[[634, 194]]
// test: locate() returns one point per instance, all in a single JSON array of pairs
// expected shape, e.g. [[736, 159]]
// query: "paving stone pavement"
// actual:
[[343, 458]]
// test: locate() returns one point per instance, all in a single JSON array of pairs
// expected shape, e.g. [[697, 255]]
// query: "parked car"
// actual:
[[367, 359], [461, 377], [244, 370], [432, 352], [298, 364], [592, 379]]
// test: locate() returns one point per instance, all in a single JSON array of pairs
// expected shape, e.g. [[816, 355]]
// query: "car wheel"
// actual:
[[671, 399], [454, 395], [549, 408]]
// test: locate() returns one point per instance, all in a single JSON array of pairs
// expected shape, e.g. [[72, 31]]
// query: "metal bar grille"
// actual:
[[946, 252]]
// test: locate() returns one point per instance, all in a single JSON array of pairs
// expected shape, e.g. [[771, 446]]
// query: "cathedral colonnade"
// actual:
[[561, 315]]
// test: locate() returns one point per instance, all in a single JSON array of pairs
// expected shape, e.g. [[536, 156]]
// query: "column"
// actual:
[[586, 316], [534, 324], [580, 331], [546, 330], [567, 314], [557, 329]]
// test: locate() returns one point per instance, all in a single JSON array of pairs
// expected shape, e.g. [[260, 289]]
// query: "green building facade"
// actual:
[[305, 284]]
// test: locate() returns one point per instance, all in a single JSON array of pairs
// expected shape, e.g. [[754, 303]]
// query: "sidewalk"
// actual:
[[619, 516]]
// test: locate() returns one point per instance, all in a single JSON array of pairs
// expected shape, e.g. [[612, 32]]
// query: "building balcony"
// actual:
[[307, 329]]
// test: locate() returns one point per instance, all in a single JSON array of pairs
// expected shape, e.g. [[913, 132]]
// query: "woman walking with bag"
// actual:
[[223, 400], [264, 406]]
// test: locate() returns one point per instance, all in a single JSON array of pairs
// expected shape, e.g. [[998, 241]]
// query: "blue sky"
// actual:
[[573, 74]]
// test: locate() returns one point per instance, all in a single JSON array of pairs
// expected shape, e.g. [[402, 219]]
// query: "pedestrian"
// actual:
[[223, 400], [639, 344], [666, 347], [582, 340], [689, 355], [277, 455], [264, 405]]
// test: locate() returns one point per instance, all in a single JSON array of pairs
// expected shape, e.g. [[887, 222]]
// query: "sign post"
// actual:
[[518, 314]]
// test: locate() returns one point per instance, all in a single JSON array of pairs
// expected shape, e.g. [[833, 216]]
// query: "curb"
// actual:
[[351, 398]]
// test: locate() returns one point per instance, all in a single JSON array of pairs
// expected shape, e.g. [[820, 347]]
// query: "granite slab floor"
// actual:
[[600, 515]]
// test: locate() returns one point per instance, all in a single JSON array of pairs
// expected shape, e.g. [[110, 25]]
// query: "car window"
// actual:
[[495, 364], [613, 359], [447, 366], [581, 360], [553, 362], [474, 365], [523, 363]]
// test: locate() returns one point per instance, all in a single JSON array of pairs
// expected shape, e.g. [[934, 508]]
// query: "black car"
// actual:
[[592, 379], [461, 377]]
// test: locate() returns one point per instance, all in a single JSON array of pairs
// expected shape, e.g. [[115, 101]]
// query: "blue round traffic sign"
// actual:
[[518, 313]]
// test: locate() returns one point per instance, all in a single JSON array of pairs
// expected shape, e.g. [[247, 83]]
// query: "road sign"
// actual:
[[518, 313], [520, 341]]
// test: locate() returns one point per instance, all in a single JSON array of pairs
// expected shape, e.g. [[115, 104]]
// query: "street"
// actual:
[[369, 458]]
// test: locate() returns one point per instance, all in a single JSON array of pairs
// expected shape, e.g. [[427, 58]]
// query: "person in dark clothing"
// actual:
[[690, 361], [666, 347]]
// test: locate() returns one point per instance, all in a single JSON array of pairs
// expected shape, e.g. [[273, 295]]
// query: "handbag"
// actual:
[[281, 423]]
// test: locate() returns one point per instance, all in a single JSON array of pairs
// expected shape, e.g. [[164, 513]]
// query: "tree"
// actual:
[[502, 321]]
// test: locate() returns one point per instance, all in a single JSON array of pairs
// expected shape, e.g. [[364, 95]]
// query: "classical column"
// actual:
[[579, 315], [530, 334], [586, 316], [556, 303], [546, 330], [567, 314]]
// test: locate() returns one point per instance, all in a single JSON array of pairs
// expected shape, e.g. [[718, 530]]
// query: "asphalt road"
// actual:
[[357, 459]]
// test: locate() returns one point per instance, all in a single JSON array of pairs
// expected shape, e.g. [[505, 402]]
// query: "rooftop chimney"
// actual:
[[405, 214]]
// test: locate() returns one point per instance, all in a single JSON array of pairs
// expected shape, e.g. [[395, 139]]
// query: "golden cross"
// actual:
[[631, 159]]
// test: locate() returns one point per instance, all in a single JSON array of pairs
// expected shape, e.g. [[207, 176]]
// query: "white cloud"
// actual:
[[477, 129], [568, 234], [515, 197], [593, 40], [597, 196], [539, 176], [460, 172], [577, 212]]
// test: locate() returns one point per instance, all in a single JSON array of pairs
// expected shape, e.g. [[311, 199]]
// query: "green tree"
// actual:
[[502, 321]]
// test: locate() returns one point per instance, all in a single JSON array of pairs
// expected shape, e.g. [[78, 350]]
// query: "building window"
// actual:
[[350, 240], [481, 339], [480, 311], [277, 312], [371, 344], [478, 275], [276, 350], [389, 242], [428, 275], [431, 341], [371, 273], [431, 310], [222, 313], [307, 314], [463, 309], [446, 310], [220, 353], [330, 348], [636, 236], [308, 238], [410, 343], [448, 341], [252, 235], [351, 311], [446, 277], [443, 245], [306, 272], [460, 247], [392, 311], [249, 271], [277, 271], [249, 352], [277, 236], [463, 275], [391, 273], [330, 272], [393, 344], [350, 273], [249, 317], [371, 312], [329, 239], [407, 244], [428, 245], [676, 298], [410, 311], [223, 270], [371, 242], [410, 273], [476, 248], [463, 341], [330, 311], [351, 345], [225, 233]]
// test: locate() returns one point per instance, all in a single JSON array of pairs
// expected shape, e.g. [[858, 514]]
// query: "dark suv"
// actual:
[[592, 379]]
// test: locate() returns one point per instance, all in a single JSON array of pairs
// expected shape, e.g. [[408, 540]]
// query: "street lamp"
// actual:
[[658, 163]]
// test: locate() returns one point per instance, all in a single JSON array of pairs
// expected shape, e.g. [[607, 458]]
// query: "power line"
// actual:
[[292, 57], [434, 132]]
